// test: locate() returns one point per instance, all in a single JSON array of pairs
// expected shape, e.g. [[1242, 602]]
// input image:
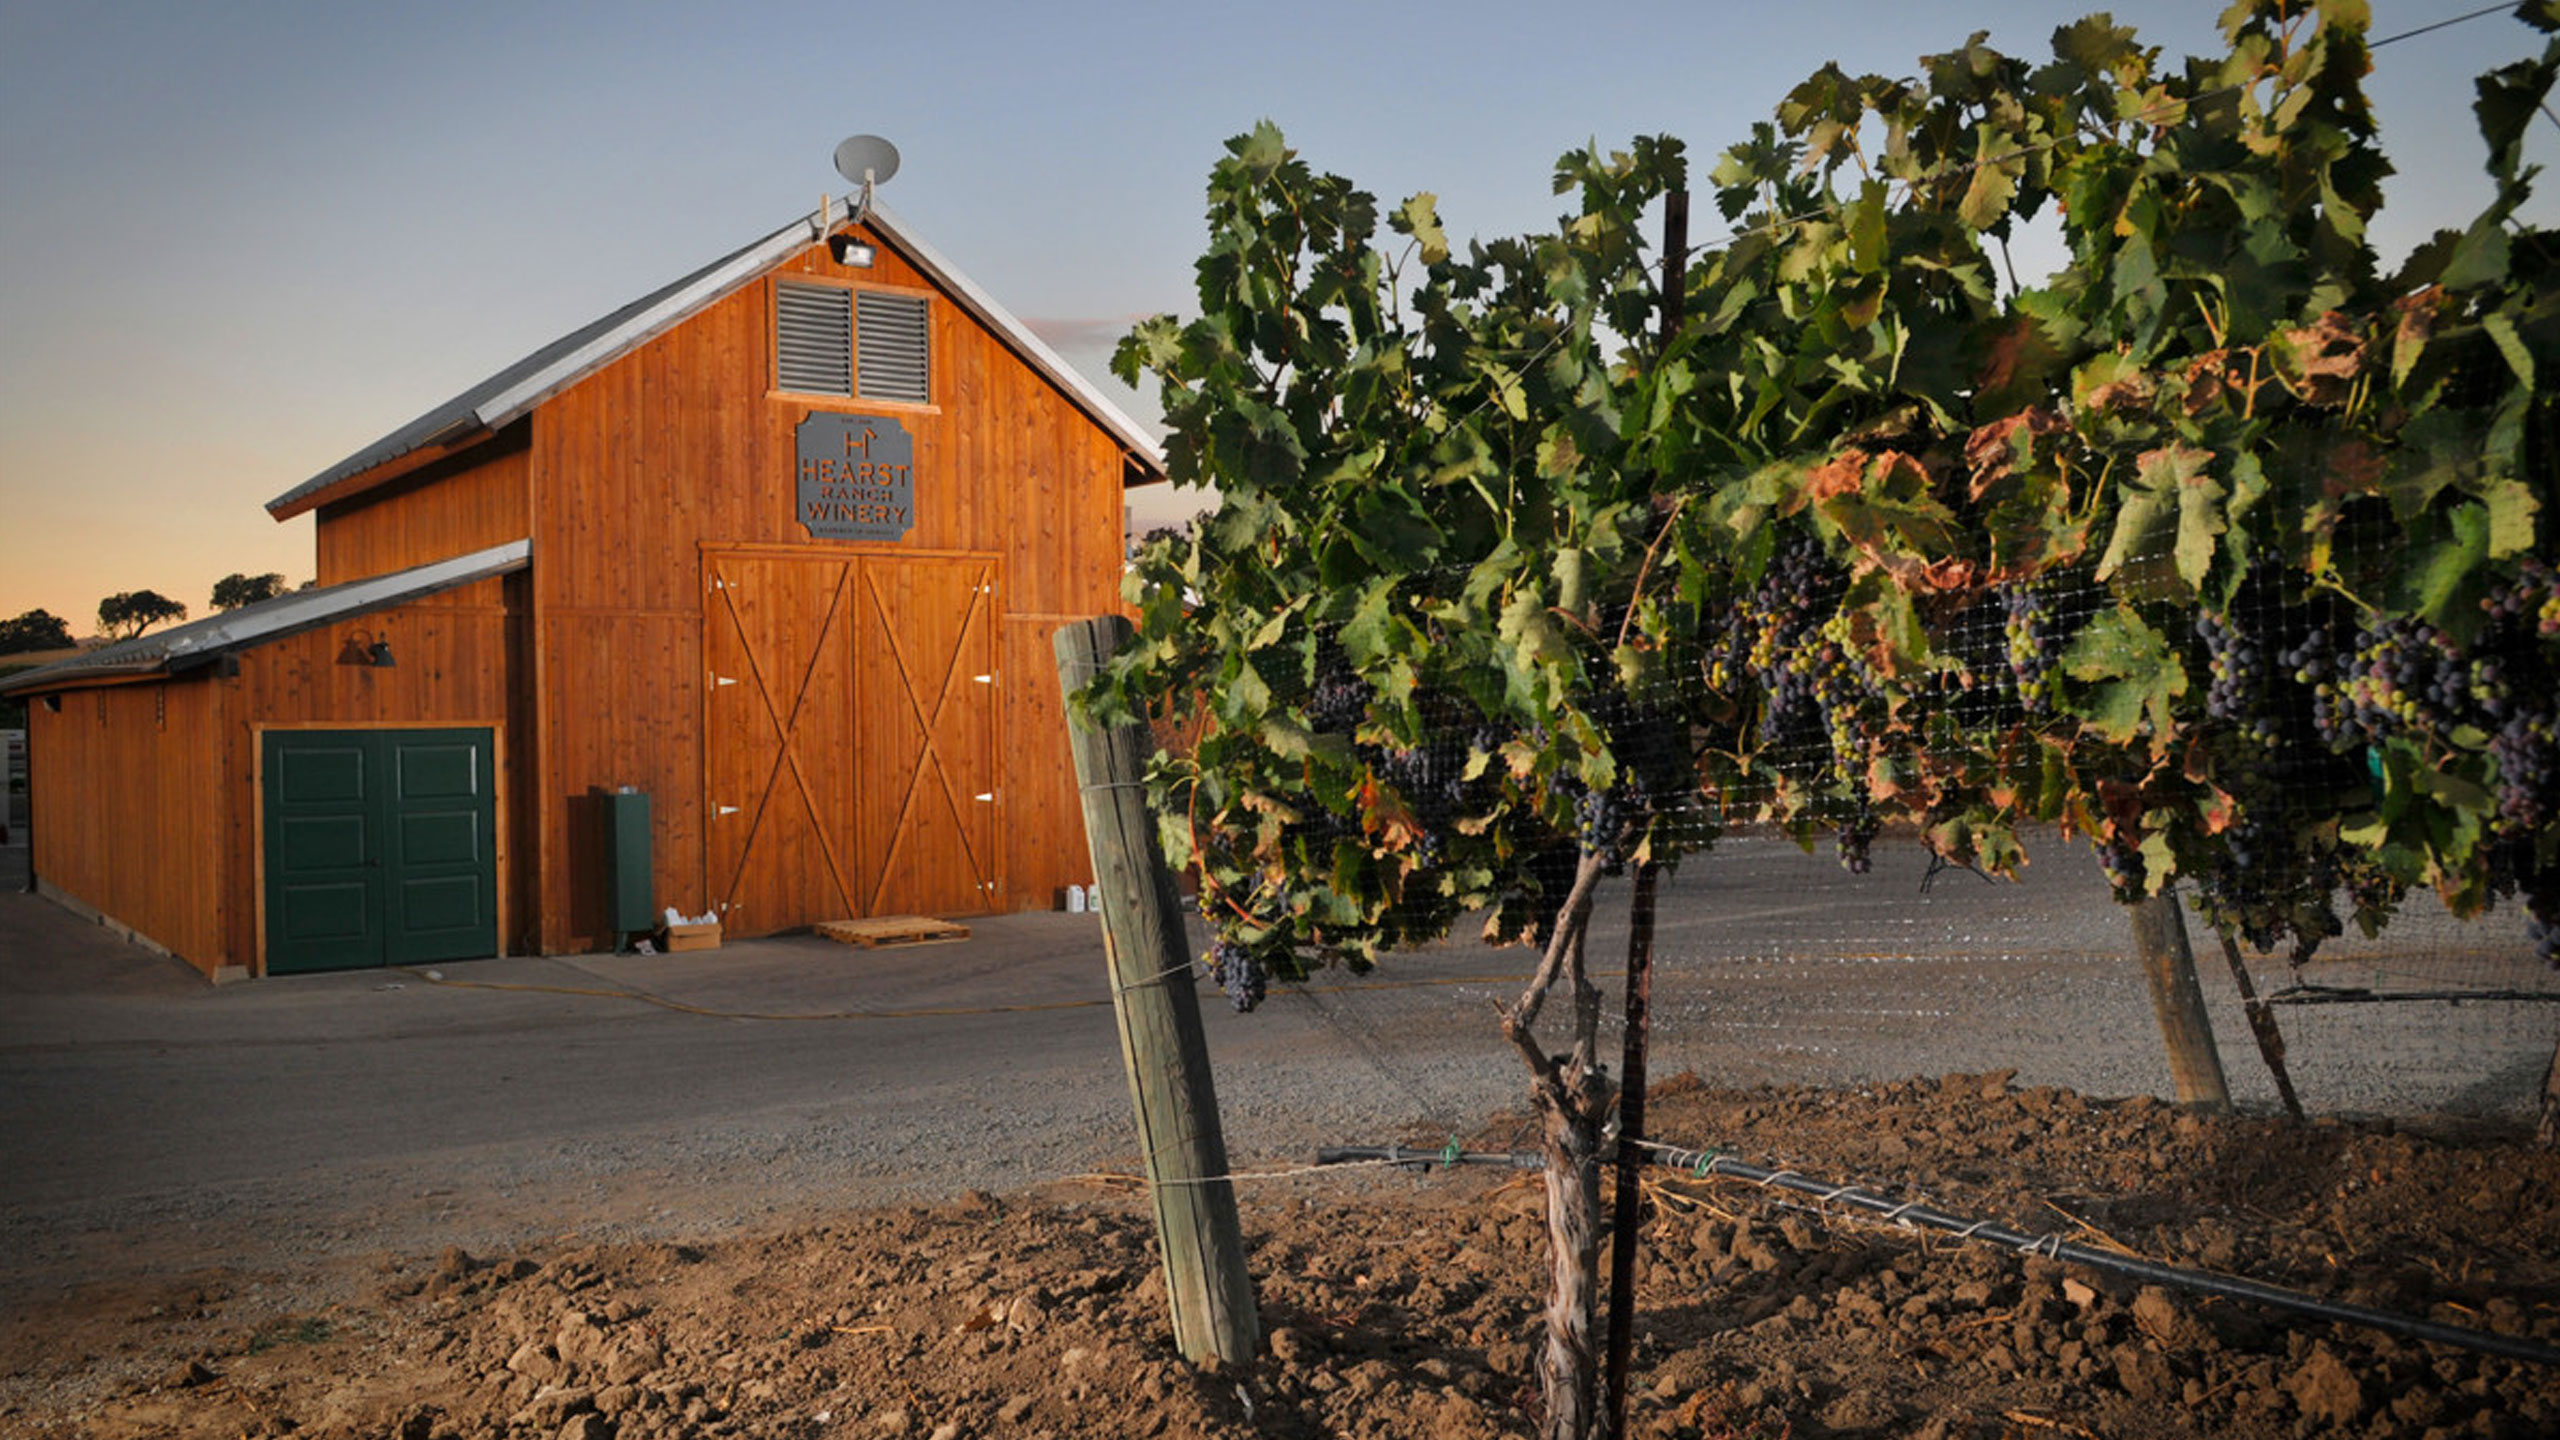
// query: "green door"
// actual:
[[381, 847]]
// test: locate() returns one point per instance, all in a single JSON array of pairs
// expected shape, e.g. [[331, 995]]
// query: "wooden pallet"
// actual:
[[892, 930]]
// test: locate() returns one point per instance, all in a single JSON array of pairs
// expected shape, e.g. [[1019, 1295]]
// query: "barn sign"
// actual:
[[857, 477]]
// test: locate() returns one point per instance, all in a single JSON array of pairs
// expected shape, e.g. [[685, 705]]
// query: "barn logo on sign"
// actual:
[[857, 477]]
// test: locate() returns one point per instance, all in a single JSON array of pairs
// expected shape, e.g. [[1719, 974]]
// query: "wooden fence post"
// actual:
[[1161, 1041], [2262, 1023], [2177, 1000]]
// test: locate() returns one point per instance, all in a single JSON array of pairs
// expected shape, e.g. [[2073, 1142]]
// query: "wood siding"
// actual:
[[456, 657], [146, 793], [453, 508], [683, 448], [121, 818]]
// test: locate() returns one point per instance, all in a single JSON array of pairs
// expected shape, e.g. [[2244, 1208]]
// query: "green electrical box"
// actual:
[[626, 858]]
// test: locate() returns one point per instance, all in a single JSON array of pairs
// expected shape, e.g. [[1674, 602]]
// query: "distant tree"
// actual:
[[235, 590], [128, 613], [35, 630]]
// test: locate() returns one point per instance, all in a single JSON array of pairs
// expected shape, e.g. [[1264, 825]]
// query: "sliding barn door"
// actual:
[[926, 737], [850, 733], [777, 730]]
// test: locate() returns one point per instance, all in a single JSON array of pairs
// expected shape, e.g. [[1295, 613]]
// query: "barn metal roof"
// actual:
[[200, 642], [516, 390]]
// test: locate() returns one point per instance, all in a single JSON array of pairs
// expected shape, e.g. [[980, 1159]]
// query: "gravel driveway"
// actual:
[[153, 1120]]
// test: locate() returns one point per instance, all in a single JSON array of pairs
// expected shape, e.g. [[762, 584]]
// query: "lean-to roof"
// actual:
[[201, 642]]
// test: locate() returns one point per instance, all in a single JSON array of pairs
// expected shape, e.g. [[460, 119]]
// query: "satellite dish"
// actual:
[[867, 160]]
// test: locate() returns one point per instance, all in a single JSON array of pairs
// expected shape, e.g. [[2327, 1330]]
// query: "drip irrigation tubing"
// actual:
[[1704, 1164], [2352, 995]]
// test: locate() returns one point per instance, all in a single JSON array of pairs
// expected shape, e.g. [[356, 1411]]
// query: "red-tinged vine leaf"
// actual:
[[2000, 449], [2120, 805], [1385, 818], [2018, 363], [2211, 379], [2320, 362], [1885, 509], [2112, 382], [2415, 317], [2219, 812], [1842, 474]]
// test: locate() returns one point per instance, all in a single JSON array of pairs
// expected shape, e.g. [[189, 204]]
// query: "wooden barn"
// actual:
[[777, 549]]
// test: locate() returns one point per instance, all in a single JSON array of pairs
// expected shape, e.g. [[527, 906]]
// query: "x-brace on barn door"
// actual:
[[850, 734]]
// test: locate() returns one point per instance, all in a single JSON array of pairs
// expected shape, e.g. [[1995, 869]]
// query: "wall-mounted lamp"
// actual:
[[849, 250], [363, 647]]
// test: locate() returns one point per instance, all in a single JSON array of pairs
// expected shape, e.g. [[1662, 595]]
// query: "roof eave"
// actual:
[[1088, 397], [493, 412], [464, 437], [201, 643]]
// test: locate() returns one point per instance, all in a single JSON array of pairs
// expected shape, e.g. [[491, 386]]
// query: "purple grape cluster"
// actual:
[[2035, 637], [2529, 602], [1601, 821], [2517, 693], [1239, 972], [2312, 662], [1855, 839], [2238, 691], [2527, 754], [2404, 676], [2121, 857], [2264, 886], [1431, 777], [1339, 702], [1773, 620]]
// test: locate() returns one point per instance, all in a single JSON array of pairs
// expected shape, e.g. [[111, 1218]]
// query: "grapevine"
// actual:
[[2258, 520]]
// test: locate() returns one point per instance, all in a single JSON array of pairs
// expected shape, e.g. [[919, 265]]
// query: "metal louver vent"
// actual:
[[813, 339], [896, 350]]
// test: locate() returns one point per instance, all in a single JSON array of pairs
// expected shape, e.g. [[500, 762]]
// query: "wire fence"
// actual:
[[1803, 935]]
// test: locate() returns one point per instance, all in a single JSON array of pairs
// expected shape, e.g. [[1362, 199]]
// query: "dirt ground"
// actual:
[[1402, 1306]]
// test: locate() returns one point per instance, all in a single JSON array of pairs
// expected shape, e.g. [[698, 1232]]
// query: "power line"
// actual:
[[2439, 25]]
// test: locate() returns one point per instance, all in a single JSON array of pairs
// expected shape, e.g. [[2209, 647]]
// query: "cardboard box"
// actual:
[[677, 938]]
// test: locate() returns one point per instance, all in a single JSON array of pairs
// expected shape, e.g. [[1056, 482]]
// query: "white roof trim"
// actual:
[[1088, 396], [458, 419], [670, 311], [248, 626], [200, 642]]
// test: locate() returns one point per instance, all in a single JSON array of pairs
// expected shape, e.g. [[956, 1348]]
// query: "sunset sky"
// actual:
[[242, 241]]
